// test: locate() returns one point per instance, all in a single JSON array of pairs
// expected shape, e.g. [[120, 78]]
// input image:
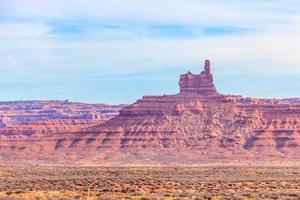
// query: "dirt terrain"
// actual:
[[208, 181]]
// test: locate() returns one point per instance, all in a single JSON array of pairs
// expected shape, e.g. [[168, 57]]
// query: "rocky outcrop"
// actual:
[[196, 125], [48, 127], [19, 112], [32, 119], [202, 83]]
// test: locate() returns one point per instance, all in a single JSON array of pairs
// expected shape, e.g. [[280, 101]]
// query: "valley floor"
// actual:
[[209, 181]]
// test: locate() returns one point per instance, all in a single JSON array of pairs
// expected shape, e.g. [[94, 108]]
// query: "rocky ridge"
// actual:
[[196, 125], [39, 118]]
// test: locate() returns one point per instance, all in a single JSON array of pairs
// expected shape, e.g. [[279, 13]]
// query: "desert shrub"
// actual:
[[57, 197], [133, 188], [238, 197], [135, 194], [186, 194], [107, 197], [179, 167], [9, 198], [215, 198], [151, 197], [39, 197]]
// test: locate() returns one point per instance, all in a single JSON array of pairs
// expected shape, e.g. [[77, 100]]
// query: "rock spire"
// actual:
[[198, 83]]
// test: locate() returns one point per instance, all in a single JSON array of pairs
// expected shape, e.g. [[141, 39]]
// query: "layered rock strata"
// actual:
[[48, 127], [19, 112], [202, 83], [196, 125]]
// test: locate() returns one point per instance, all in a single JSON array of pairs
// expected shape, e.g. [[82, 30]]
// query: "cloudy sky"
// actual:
[[119, 50]]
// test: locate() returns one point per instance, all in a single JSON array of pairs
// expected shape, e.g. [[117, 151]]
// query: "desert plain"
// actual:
[[215, 181], [197, 144]]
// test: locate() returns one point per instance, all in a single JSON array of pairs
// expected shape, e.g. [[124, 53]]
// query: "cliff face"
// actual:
[[47, 127], [26, 119], [30, 130], [19, 112], [196, 125]]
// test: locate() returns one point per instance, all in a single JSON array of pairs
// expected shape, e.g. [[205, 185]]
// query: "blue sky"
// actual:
[[119, 50]]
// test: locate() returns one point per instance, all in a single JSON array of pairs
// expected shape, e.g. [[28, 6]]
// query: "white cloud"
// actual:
[[22, 30], [240, 12], [113, 37], [275, 43]]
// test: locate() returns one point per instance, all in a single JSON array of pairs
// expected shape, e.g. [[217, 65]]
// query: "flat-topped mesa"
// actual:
[[202, 83]]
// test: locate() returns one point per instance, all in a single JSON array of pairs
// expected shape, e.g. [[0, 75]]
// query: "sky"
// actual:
[[117, 51]]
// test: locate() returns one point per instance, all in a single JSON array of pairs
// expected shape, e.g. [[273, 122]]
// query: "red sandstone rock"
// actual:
[[17, 112], [38, 118], [48, 127], [201, 83], [196, 125]]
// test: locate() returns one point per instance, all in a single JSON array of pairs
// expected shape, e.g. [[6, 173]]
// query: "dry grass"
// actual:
[[150, 183], [39, 195]]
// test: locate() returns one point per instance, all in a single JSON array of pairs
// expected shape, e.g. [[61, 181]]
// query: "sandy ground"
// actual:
[[208, 181]]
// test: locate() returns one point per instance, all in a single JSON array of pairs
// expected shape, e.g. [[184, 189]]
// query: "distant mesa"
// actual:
[[41, 117], [196, 125], [202, 83]]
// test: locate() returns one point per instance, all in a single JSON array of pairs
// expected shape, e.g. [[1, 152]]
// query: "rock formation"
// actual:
[[18, 112], [41, 118], [196, 125], [49, 127], [202, 83]]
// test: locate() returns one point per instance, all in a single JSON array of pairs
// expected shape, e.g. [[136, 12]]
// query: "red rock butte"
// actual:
[[202, 83], [196, 125]]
